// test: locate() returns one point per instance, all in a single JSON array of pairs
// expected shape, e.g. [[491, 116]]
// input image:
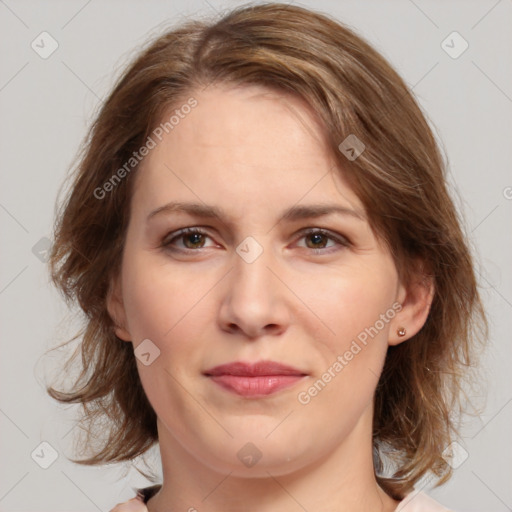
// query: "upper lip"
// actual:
[[259, 368]]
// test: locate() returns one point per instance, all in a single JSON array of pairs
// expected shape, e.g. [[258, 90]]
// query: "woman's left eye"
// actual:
[[318, 240]]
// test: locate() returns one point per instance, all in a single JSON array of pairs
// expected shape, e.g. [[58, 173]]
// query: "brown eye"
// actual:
[[187, 239], [193, 240], [321, 241], [318, 240]]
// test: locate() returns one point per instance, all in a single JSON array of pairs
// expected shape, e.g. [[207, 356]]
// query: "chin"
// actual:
[[252, 456]]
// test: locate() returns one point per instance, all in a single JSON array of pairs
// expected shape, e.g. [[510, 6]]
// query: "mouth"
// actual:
[[255, 380]]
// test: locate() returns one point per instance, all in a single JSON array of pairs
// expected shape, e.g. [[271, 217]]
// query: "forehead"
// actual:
[[241, 144]]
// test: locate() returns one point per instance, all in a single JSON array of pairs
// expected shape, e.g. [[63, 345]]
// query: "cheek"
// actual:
[[349, 302], [356, 307], [172, 309], [165, 307], [158, 300]]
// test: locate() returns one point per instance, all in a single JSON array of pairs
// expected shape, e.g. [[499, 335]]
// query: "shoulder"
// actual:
[[133, 505], [418, 501], [138, 503]]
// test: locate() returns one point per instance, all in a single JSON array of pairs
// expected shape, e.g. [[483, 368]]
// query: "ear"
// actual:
[[416, 298], [115, 308]]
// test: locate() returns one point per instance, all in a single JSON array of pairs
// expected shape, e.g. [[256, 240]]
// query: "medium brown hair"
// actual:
[[400, 178]]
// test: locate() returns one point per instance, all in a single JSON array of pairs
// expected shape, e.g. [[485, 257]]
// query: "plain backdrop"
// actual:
[[47, 103]]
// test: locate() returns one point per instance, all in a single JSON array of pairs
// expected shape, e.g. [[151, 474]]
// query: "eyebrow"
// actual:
[[290, 214]]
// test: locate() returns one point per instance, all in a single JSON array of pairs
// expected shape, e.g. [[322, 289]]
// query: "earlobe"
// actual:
[[416, 299], [115, 308]]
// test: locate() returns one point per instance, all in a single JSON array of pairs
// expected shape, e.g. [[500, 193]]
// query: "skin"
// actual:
[[302, 302]]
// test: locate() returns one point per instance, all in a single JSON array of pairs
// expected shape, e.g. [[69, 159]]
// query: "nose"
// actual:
[[254, 301]]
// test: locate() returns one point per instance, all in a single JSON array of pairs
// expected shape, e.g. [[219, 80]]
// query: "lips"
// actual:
[[255, 380]]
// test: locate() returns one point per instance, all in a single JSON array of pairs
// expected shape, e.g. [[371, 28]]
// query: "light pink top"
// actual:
[[414, 502], [419, 502]]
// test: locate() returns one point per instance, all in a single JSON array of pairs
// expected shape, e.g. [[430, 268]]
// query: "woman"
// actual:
[[276, 285]]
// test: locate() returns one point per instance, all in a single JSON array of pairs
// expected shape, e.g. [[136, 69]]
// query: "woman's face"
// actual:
[[288, 271]]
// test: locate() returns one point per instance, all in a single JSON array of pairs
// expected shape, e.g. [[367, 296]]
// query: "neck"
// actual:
[[342, 480]]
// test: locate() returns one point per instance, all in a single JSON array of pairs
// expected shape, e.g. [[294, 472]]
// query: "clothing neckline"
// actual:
[[146, 493]]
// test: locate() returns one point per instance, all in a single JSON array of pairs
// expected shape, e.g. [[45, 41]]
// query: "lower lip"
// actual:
[[262, 385]]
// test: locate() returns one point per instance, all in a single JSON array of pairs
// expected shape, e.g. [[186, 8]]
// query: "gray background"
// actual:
[[46, 106]]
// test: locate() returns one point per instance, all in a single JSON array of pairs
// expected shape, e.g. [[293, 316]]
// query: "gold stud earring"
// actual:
[[401, 331]]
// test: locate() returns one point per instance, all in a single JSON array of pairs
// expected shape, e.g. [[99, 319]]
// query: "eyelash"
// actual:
[[340, 239]]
